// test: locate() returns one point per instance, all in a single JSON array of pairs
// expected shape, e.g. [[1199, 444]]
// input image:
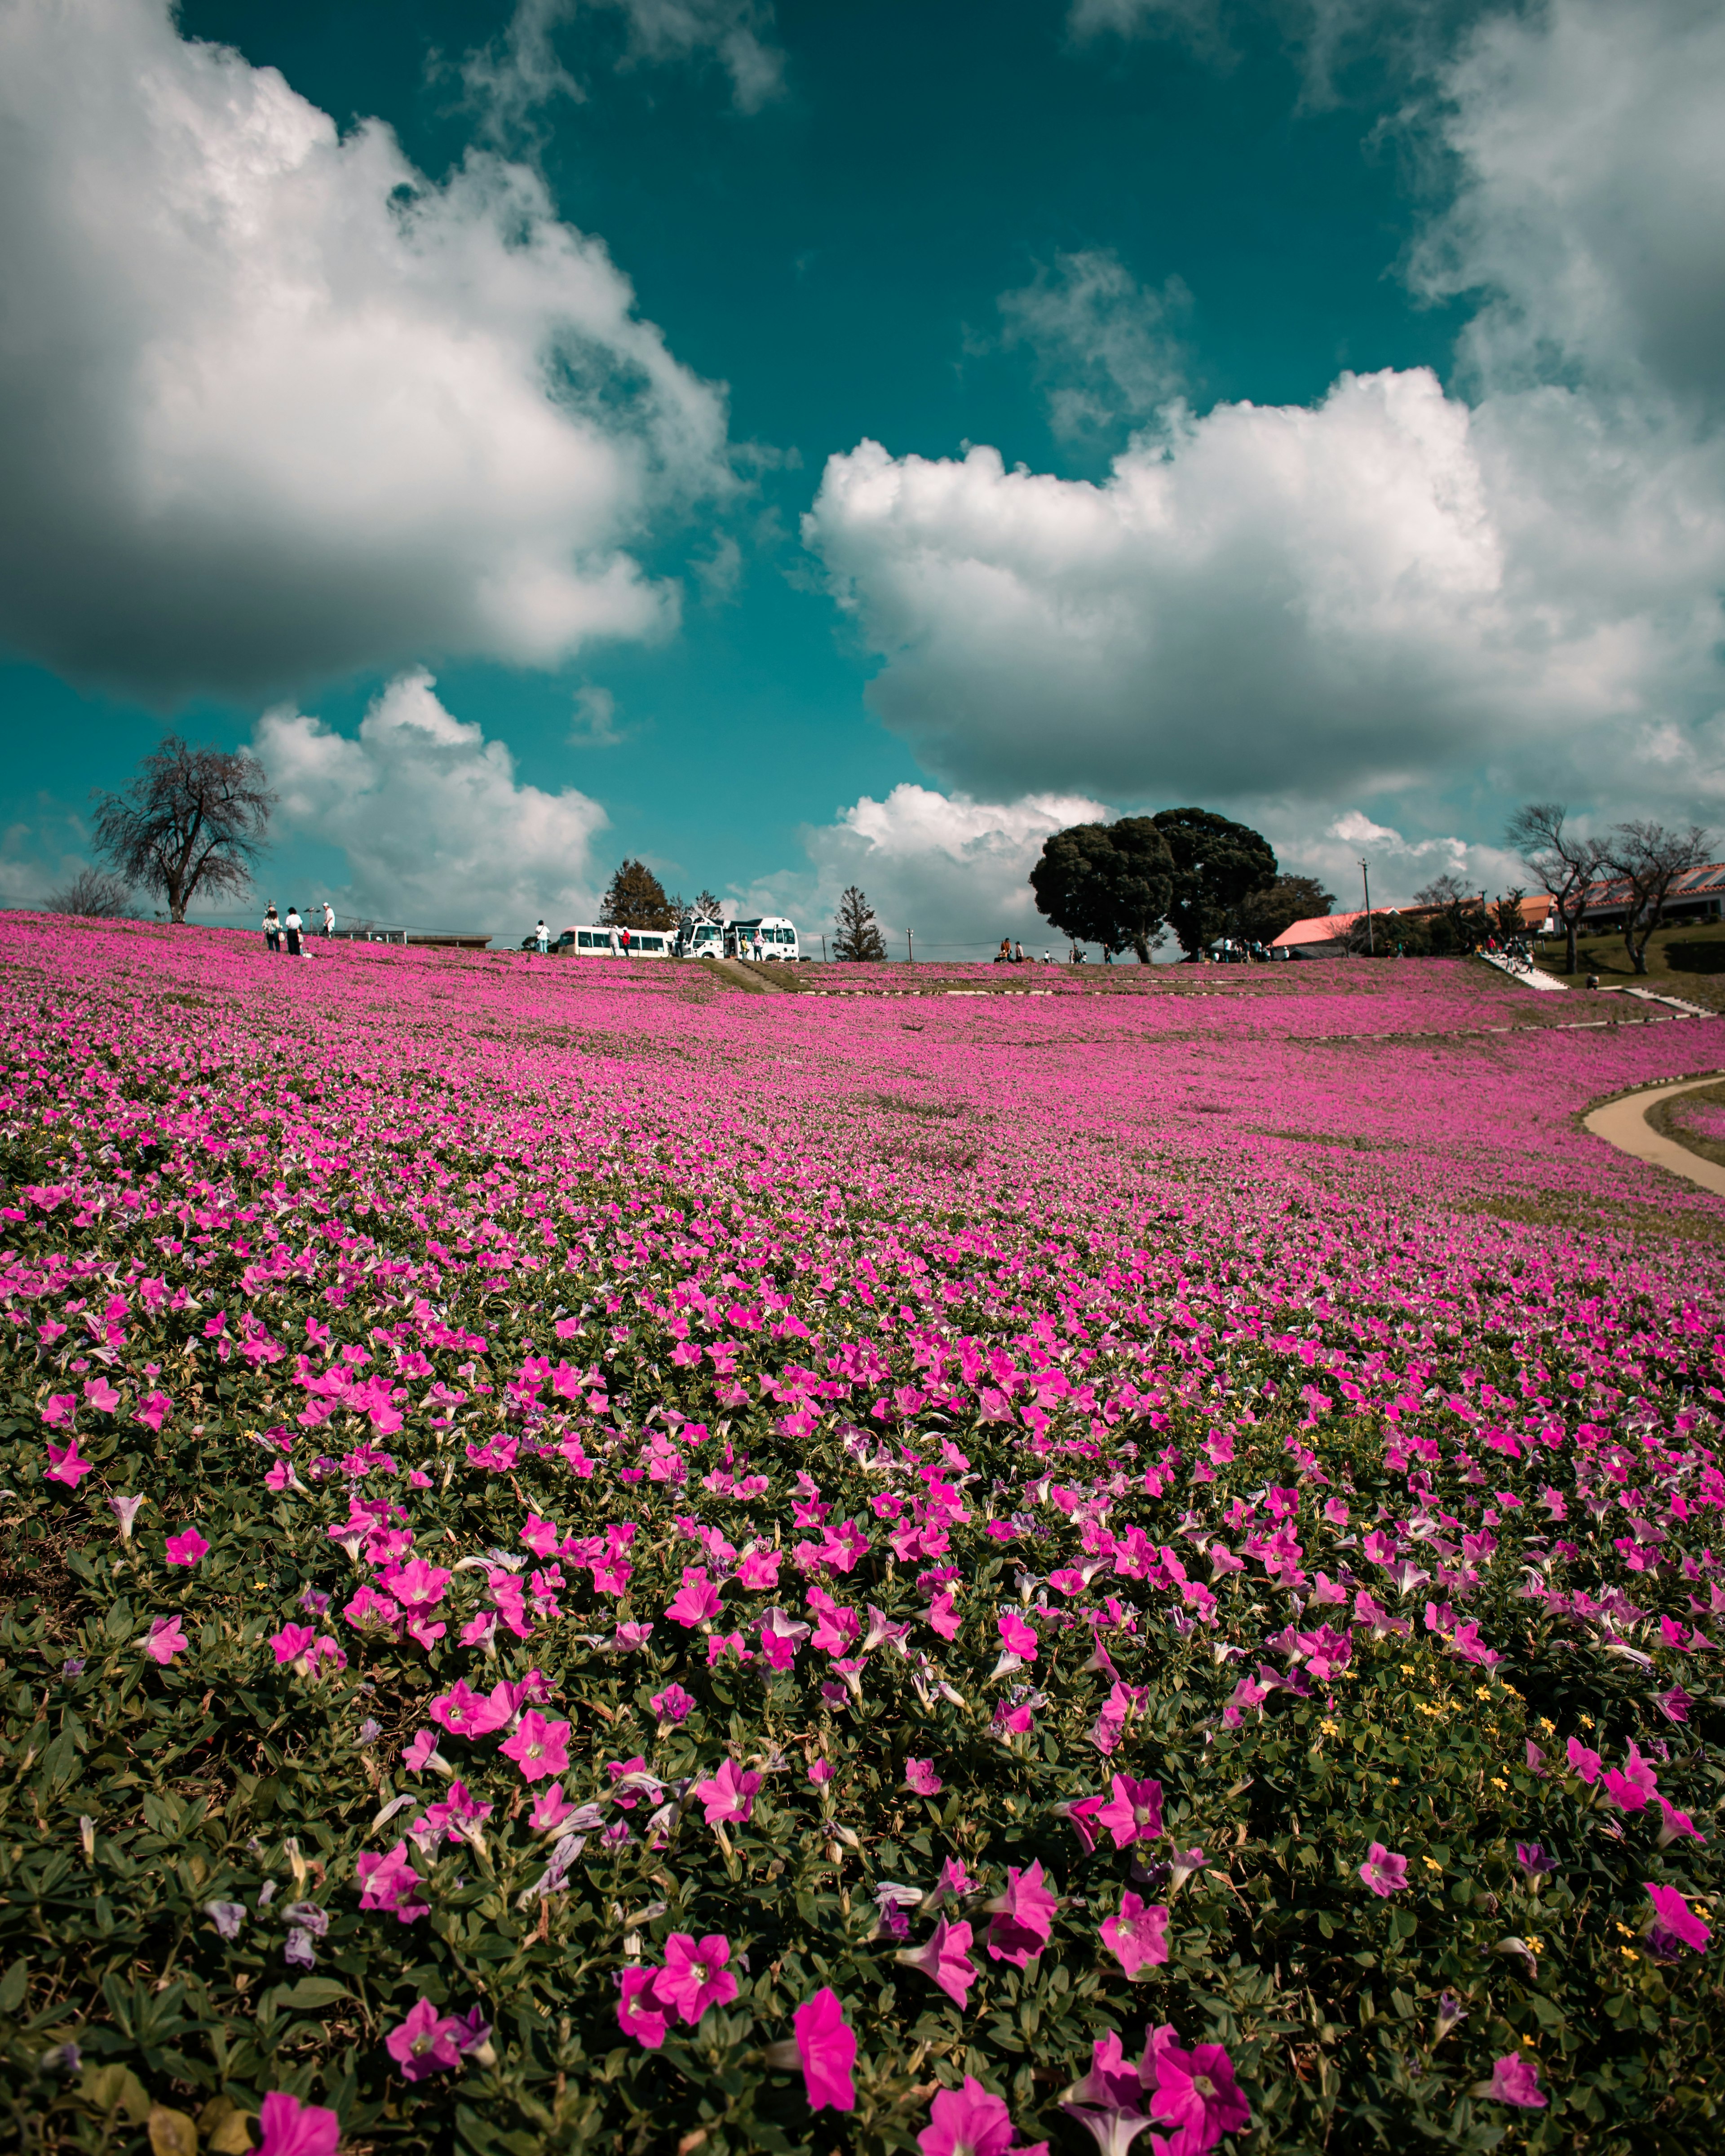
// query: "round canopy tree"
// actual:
[[1106, 883], [1217, 863]]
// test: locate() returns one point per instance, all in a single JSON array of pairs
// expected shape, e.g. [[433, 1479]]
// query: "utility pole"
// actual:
[[1366, 878], [909, 947]]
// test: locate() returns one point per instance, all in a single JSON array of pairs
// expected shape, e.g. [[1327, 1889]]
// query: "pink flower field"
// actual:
[[593, 1561]]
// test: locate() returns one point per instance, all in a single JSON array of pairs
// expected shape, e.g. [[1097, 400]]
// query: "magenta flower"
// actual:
[[826, 2047], [1515, 2079], [697, 1601], [387, 1881], [539, 1748], [1196, 2091], [1109, 2102], [292, 1640], [635, 2014], [729, 1794], [673, 1704], [967, 2121], [424, 2043], [1383, 1872], [59, 1409], [154, 1409], [1079, 1813], [1585, 1763], [1133, 1814], [1022, 1918], [944, 1958], [920, 1776], [100, 1395], [1675, 1920], [694, 1976], [421, 1751], [465, 1712], [186, 1548], [552, 1808], [1018, 1637], [65, 1465], [286, 2127], [165, 1640], [1137, 1937]]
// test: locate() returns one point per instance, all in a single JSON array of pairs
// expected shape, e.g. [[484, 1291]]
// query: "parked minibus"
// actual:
[[589, 940], [778, 939]]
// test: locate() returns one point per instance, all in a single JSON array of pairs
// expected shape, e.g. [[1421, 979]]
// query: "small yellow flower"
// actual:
[[1331, 1728], [1482, 1691], [1537, 1945], [1408, 1670], [1498, 1782], [1431, 1863], [1585, 1720], [1548, 1725], [1629, 1953], [1626, 1932]]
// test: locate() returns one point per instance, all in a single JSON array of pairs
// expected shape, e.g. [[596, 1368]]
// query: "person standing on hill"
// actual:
[[541, 937], [329, 921], [293, 925], [272, 928]]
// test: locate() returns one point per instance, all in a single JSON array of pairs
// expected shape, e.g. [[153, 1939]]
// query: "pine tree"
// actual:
[[636, 900], [858, 937]]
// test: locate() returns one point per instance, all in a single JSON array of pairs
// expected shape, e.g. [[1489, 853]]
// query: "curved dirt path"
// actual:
[[1624, 1124]]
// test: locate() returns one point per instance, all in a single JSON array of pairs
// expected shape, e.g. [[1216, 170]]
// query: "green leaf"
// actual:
[[13, 1985], [119, 1622], [311, 1992]]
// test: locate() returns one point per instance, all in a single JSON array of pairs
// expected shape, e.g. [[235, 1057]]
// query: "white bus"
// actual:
[[699, 939], [778, 939], [588, 940]]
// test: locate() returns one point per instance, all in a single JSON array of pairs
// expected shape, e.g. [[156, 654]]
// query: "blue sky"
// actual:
[[828, 443]]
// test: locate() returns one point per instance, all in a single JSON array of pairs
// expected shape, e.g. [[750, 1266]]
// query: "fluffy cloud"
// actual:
[[1592, 164], [1349, 602], [1106, 348], [951, 869], [438, 831], [511, 79], [272, 405]]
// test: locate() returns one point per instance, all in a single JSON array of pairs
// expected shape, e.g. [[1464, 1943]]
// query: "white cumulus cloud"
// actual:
[[953, 869], [272, 405], [438, 830], [1518, 575]]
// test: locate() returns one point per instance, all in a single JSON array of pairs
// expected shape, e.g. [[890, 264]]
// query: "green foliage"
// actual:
[[1107, 884], [858, 938], [636, 900], [1217, 863], [1261, 915]]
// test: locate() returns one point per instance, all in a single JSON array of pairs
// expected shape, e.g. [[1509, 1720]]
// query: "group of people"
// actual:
[[1015, 954], [291, 930]]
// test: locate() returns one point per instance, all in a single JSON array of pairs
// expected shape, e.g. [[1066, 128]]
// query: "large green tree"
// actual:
[[1106, 883], [636, 900], [1217, 863], [1261, 916]]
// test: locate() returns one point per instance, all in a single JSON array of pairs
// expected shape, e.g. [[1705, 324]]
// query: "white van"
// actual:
[[699, 939], [589, 940], [778, 939]]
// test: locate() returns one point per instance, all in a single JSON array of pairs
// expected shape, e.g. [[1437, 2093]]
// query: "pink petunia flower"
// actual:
[[465, 1712], [944, 1958], [1585, 1763], [697, 1601], [1137, 1937], [1109, 2102], [1515, 2079], [1133, 1814], [421, 1752], [287, 2127], [424, 2043], [1022, 1917], [292, 1641], [59, 1408], [1383, 1872], [187, 1548], [673, 1704], [728, 1794], [967, 2121], [539, 1748], [1675, 1920], [387, 1881], [920, 1776], [826, 2047], [694, 1976], [1019, 1638], [635, 2013], [100, 1395], [165, 1640], [1196, 2091], [65, 1465], [154, 1409]]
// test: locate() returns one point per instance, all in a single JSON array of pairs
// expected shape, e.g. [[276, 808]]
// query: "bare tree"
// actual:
[[1565, 865], [193, 819], [1650, 859], [93, 895]]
